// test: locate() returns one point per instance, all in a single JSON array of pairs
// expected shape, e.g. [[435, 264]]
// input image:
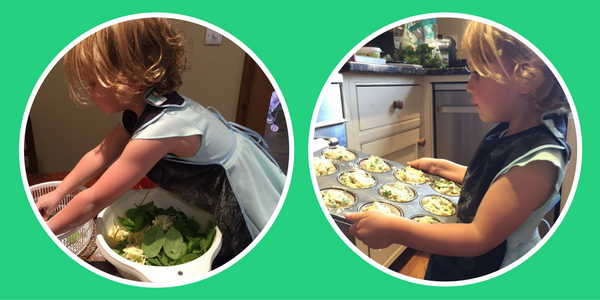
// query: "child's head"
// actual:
[[496, 54], [139, 53]]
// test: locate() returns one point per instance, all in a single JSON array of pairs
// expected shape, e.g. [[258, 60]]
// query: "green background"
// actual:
[[301, 256]]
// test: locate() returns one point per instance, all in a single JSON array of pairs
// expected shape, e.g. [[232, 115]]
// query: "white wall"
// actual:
[[63, 132], [454, 28]]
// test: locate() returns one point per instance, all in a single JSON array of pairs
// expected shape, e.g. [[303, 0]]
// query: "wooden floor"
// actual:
[[411, 263]]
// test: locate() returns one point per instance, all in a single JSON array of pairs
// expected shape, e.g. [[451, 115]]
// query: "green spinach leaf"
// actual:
[[126, 223], [140, 223], [171, 211], [153, 261], [164, 259], [153, 241], [132, 213], [192, 224], [210, 235], [174, 246], [188, 257], [188, 233]]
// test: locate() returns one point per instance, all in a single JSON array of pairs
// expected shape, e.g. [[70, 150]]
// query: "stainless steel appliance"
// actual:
[[448, 50], [331, 124], [457, 126]]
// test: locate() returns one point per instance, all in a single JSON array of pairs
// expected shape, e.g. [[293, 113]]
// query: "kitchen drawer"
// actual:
[[401, 147], [345, 228], [375, 104], [386, 256]]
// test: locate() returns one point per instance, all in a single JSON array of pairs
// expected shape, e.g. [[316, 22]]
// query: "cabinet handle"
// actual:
[[421, 142], [398, 104]]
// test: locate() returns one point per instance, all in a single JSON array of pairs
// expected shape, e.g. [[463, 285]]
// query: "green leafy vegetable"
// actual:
[[72, 238], [127, 223], [154, 262], [210, 235], [180, 244], [422, 56], [193, 225], [174, 246], [140, 223], [187, 258], [153, 241]]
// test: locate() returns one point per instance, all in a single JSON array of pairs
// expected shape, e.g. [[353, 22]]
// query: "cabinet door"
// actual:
[[401, 147], [386, 256], [376, 104]]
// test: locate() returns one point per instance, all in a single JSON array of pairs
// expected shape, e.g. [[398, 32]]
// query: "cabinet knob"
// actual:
[[398, 104], [421, 142]]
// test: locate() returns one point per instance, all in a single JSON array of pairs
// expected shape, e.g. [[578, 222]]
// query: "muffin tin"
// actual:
[[369, 195], [335, 166]]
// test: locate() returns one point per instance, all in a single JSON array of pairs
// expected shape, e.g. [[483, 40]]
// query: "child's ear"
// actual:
[[135, 87], [531, 82]]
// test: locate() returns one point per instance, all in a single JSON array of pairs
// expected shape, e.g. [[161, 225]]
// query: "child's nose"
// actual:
[[471, 84]]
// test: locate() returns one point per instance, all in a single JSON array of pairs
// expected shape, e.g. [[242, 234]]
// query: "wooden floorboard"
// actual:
[[412, 263]]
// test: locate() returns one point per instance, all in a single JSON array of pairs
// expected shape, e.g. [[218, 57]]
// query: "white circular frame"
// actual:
[[577, 166], [191, 20]]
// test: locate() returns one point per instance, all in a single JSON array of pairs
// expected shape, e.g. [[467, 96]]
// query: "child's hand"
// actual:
[[425, 164], [47, 203], [372, 228]]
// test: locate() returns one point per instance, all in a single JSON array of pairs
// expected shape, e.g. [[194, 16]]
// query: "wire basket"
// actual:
[[75, 239]]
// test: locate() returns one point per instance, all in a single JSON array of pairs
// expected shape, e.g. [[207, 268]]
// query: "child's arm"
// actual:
[[138, 157], [508, 203], [440, 167], [90, 166]]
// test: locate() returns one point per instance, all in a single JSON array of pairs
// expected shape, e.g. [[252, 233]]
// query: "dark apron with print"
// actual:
[[493, 154], [204, 186]]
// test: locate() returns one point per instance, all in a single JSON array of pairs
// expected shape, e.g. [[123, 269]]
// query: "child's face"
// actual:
[[494, 101]]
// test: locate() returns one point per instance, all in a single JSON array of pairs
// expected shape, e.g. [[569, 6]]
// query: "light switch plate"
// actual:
[[212, 37]]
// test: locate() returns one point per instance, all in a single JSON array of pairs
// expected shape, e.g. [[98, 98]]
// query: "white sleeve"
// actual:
[[551, 154]]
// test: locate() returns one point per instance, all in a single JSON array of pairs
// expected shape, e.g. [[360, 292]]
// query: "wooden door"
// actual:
[[255, 94]]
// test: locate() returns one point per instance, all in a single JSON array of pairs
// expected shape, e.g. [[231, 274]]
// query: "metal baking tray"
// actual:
[[367, 195]]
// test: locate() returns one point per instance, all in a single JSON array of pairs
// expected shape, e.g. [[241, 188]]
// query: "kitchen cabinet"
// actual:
[[384, 115], [391, 116]]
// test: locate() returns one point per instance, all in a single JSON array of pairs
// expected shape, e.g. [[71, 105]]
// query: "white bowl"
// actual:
[[135, 271]]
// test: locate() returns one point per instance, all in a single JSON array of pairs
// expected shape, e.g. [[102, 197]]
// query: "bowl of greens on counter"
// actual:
[[153, 236]]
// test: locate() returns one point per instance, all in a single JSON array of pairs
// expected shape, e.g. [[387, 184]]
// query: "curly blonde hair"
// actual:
[[487, 46], [147, 52]]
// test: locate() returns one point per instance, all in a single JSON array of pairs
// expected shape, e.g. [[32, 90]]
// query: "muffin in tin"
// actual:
[[357, 179], [427, 219], [397, 192], [382, 207], [411, 175], [375, 164], [438, 205], [446, 187], [339, 153], [338, 198], [323, 166]]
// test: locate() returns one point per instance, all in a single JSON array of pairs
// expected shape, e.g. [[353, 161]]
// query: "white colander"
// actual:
[[135, 271], [75, 239]]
